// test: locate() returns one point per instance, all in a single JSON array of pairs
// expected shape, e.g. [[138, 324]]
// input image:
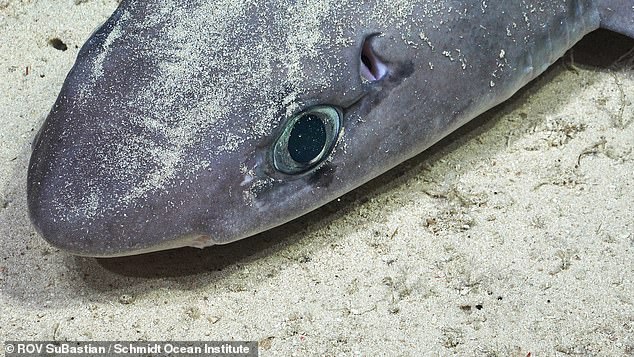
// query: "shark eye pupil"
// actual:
[[307, 139]]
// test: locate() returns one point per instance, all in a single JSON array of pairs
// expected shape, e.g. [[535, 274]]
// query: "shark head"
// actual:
[[201, 123], [194, 123]]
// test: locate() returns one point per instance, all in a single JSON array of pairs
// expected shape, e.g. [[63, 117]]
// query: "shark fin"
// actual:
[[617, 16]]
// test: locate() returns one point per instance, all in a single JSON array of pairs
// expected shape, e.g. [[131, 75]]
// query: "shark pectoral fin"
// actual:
[[617, 16]]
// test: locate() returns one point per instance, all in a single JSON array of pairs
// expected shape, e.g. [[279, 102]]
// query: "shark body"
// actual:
[[194, 123]]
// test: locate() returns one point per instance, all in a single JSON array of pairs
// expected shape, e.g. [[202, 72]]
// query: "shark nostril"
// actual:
[[371, 67], [200, 241]]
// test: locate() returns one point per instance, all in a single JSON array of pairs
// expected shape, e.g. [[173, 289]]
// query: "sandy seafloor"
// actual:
[[515, 235]]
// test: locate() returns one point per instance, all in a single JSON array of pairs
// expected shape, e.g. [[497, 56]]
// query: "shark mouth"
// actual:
[[371, 67]]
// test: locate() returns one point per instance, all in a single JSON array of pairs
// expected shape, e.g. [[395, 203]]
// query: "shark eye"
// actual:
[[307, 139]]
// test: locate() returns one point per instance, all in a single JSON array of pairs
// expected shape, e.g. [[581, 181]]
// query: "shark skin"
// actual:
[[171, 128]]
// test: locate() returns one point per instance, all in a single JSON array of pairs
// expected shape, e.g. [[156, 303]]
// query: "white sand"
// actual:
[[514, 235]]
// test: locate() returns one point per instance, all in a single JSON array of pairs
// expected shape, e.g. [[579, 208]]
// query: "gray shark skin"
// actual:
[[172, 126]]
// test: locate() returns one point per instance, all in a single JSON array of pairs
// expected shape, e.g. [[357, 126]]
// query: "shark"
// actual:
[[197, 123]]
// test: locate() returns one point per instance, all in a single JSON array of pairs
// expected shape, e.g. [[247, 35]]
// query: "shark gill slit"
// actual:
[[371, 67]]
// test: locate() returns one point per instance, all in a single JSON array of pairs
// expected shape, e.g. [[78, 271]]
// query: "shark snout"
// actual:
[[89, 194]]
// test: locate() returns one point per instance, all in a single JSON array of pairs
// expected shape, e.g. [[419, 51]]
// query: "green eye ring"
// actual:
[[307, 139]]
